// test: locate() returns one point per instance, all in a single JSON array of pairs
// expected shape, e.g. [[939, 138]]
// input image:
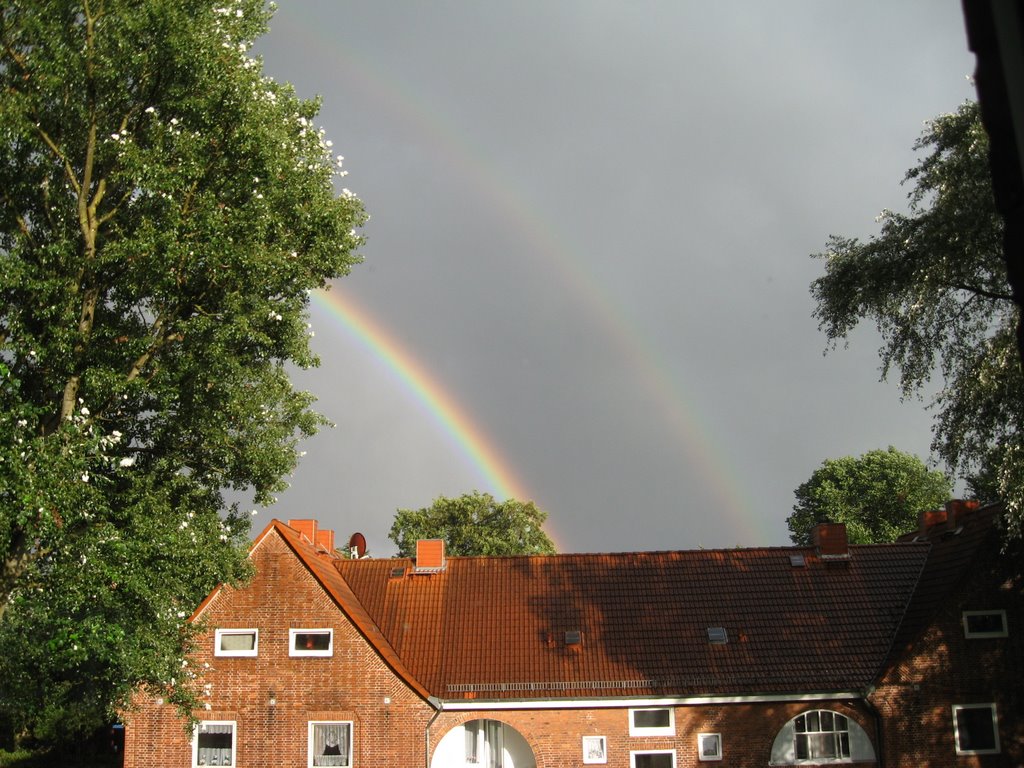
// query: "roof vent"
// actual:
[[573, 637], [397, 573], [430, 556], [798, 560], [718, 635]]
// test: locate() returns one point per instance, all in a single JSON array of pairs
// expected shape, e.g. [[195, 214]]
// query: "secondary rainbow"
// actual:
[[394, 99]]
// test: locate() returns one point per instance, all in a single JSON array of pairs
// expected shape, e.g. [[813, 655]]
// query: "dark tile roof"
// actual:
[[494, 627]]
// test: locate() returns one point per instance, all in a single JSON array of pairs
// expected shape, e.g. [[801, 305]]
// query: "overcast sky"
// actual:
[[591, 227]]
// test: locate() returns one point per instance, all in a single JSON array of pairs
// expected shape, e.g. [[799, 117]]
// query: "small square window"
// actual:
[[976, 729], [330, 744], [310, 642], [979, 624], [213, 743], [655, 758], [709, 746], [652, 722], [595, 749], [236, 642]]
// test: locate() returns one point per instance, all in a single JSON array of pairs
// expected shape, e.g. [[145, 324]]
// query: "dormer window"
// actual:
[[981, 624]]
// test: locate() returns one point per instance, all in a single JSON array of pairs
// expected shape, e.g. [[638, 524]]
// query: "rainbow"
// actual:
[[403, 105], [496, 472]]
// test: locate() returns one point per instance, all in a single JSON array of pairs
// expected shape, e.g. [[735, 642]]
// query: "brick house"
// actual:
[[890, 655]]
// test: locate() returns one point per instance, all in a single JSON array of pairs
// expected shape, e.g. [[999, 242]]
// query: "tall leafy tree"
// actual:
[[878, 495], [934, 283], [165, 209], [474, 524]]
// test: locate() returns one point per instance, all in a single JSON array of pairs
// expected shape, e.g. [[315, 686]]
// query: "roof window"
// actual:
[[718, 635]]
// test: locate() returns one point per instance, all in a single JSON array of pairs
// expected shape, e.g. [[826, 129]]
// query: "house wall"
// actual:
[[747, 730], [352, 684], [942, 667]]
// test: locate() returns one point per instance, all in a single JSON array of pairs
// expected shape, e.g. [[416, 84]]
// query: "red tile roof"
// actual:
[[494, 627]]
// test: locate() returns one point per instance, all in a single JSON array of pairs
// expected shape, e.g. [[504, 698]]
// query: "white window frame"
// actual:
[[995, 729], [598, 755], [294, 633], [234, 740], [311, 728], [234, 631], [634, 752], [639, 730], [1004, 632], [701, 737]]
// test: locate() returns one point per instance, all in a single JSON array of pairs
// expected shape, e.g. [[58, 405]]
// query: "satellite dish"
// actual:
[[357, 545]]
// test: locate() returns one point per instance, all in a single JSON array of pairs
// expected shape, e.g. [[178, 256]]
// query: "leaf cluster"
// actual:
[[934, 282], [474, 524], [165, 210], [878, 496]]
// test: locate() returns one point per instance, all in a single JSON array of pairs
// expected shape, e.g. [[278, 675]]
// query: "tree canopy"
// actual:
[[474, 524], [934, 283], [878, 495], [165, 210]]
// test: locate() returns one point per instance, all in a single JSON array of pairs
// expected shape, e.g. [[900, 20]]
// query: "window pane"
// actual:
[[313, 641], [241, 641], [813, 723], [801, 724], [822, 745], [651, 718], [975, 727], [653, 760], [985, 623], [826, 721], [801, 746]]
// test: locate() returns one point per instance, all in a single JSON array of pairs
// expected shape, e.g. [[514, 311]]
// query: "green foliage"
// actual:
[[165, 209], [934, 283], [878, 496], [474, 524]]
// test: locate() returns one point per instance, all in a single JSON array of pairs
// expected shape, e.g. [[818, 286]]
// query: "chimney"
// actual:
[[957, 510], [930, 519], [830, 541], [430, 555], [306, 527], [325, 539]]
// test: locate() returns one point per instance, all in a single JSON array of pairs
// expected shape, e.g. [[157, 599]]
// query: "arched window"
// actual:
[[821, 736]]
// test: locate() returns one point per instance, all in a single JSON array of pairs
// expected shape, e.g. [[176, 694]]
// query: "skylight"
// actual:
[[718, 635]]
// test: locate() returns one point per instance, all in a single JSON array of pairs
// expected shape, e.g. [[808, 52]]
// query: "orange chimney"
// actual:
[[957, 510], [830, 540], [325, 539], [430, 555], [931, 518], [306, 527]]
